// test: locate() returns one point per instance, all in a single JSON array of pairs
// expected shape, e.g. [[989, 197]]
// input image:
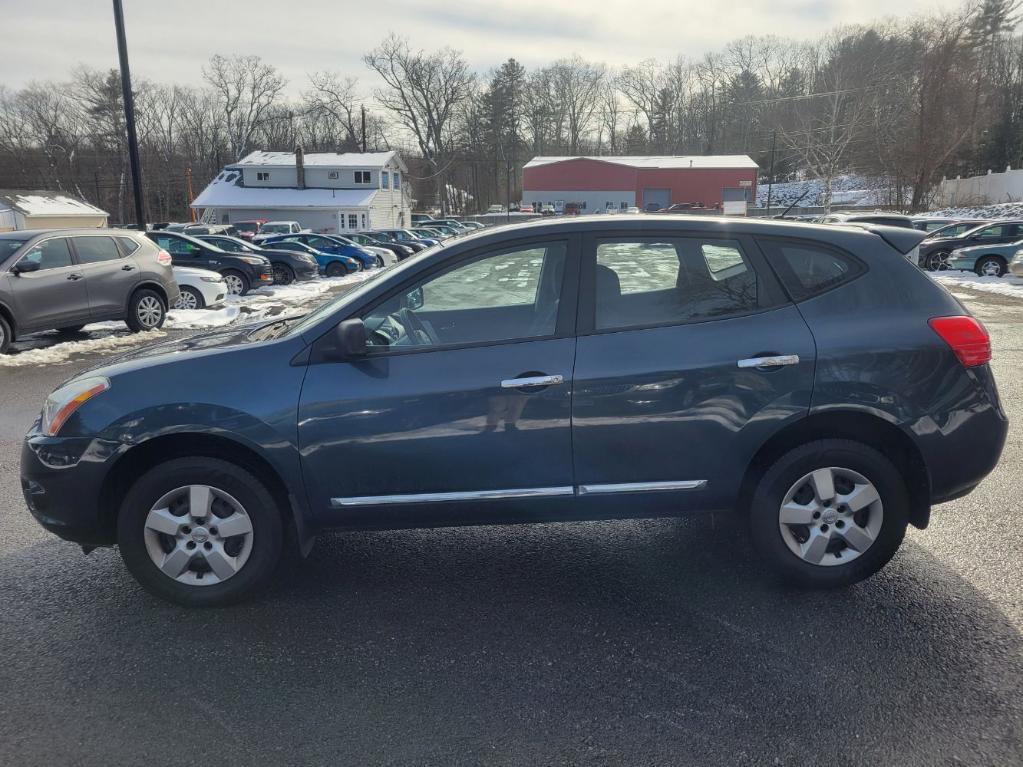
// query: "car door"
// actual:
[[53, 295], [186, 253], [465, 394], [689, 356], [110, 276]]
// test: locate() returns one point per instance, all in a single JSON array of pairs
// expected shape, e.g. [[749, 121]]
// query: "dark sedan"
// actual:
[[288, 265], [400, 250], [936, 252], [240, 272]]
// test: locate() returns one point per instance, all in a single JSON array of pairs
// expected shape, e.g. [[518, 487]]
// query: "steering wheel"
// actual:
[[415, 329]]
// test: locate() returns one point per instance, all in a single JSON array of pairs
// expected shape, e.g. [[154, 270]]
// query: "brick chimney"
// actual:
[[300, 166]]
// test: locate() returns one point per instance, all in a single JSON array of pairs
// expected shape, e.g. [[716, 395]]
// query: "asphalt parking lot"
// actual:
[[649, 642]]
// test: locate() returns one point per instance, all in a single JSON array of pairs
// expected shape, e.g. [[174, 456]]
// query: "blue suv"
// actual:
[[327, 244], [808, 378]]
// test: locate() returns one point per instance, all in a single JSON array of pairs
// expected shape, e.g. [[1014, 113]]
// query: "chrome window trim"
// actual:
[[641, 487]]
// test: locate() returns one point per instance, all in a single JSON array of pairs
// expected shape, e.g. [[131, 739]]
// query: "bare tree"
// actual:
[[336, 98], [577, 85], [247, 90]]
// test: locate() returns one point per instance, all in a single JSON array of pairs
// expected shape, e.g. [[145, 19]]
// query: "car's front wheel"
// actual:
[[991, 266], [939, 261], [200, 532], [146, 311], [829, 513], [283, 274]]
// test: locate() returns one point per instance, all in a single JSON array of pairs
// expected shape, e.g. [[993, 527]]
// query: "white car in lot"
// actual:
[[200, 288]]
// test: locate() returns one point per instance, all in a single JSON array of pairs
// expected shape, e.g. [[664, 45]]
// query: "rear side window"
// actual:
[[92, 250], [807, 269], [130, 245]]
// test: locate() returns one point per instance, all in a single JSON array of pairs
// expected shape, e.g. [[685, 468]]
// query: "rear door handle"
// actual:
[[74, 276], [127, 268], [529, 381], [776, 361]]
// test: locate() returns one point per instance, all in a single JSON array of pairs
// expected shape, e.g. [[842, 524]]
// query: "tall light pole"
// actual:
[[129, 115], [770, 181]]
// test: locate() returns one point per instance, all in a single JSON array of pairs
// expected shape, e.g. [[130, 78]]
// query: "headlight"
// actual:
[[212, 279], [62, 403], [252, 260], [310, 259]]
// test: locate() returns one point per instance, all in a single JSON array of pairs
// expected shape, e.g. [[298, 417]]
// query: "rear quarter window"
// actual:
[[807, 269]]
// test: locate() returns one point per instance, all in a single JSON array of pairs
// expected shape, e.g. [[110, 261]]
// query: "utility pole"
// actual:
[[188, 190], [129, 115], [363, 108], [507, 199], [770, 181]]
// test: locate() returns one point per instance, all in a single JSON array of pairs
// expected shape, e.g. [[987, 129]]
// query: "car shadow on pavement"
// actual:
[[640, 642]]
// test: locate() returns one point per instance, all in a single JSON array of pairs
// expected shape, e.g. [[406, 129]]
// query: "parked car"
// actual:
[[442, 229], [474, 225], [196, 229], [330, 264], [1016, 265], [385, 239], [458, 226], [248, 229], [406, 237], [633, 209], [385, 256], [985, 260], [525, 207], [364, 240], [491, 209], [931, 223], [271, 228], [547, 209], [63, 279], [240, 272], [445, 393], [936, 253], [884, 219], [200, 288], [330, 244], [420, 218], [955, 229], [288, 266]]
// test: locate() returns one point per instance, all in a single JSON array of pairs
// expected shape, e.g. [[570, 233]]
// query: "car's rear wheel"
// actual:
[[237, 284], [336, 269], [829, 513], [146, 311], [200, 532], [939, 261], [5, 335], [283, 274], [991, 266], [190, 298]]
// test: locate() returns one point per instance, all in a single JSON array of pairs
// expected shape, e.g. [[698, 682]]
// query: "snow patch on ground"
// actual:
[[60, 353], [1000, 210], [848, 189], [1005, 286]]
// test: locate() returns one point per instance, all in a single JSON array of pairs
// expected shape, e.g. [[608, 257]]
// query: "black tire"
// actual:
[[6, 336], [934, 260], [990, 264], [380, 261], [787, 470], [137, 319], [70, 330], [283, 274], [267, 530], [243, 281], [200, 302], [336, 269]]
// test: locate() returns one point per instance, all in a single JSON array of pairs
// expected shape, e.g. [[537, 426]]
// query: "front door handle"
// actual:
[[530, 381], [775, 361], [74, 276], [127, 268]]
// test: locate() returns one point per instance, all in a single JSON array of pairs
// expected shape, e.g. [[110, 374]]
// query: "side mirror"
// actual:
[[350, 338], [24, 266], [414, 299]]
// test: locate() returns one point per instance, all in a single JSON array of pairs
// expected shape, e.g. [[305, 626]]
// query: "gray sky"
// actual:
[[169, 40]]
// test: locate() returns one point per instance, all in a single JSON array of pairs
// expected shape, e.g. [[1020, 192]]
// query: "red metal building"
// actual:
[[650, 183]]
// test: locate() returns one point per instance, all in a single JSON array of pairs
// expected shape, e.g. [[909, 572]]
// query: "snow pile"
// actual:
[[999, 210], [60, 353], [1005, 286], [847, 189]]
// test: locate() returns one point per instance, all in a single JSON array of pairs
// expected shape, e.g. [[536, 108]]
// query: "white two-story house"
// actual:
[[325, 192]]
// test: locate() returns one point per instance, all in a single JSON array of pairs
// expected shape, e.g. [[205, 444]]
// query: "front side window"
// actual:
[[49, 254], [666, 282], [501, 297], [92, 250], [996, 232]]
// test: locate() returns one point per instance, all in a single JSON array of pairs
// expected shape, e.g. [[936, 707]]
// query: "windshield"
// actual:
[[9, 247], [275, 229], [246, 226]]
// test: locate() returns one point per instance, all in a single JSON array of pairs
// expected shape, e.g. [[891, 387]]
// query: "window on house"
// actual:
[[363, 218], [353, 221], [384, 180], [362, 177], [263, 176], [397, 180]]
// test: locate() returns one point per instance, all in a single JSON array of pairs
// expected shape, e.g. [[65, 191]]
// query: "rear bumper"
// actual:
[[62, 480]]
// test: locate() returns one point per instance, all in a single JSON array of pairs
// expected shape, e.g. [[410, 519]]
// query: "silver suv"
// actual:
[[62, 279]]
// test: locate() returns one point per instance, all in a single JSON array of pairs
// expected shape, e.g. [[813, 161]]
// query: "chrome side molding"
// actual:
[[641, 487]]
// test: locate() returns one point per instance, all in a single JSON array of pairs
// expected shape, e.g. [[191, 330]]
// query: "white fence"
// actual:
[[980, 190]]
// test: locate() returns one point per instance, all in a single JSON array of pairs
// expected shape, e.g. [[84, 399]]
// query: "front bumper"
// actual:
[[62, 481], [308, 272], [965, 264], [1016, 268]]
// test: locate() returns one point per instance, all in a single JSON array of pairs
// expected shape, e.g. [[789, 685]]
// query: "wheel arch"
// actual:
[[152, 285], [8, 314], [858, 426], [160, 449]]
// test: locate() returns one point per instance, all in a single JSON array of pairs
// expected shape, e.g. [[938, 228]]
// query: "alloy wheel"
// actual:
[[198, 535], [186, 300], [940, 261], [830, 516], [991, 269], [235, 286], [149, 311]]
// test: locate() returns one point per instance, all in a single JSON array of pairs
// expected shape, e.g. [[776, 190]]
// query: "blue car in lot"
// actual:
[[331, 264], [332, 245], [810, 379]]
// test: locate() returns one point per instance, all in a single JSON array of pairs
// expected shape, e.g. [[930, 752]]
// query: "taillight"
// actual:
[[966, 336], [163, 258]]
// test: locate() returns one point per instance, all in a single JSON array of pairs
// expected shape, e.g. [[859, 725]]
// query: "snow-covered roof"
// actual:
[[319, 159], [226, 191], [45, 203], [673, 161]]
